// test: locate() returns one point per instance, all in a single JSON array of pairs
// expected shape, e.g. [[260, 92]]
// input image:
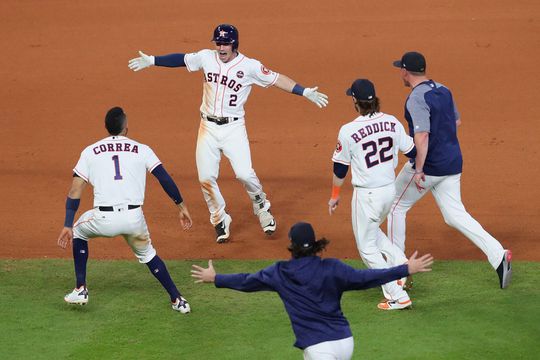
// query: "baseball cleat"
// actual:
[[504, 270], [267, 221], [395, 304], [223, 229], [181, 305], [77, 296]]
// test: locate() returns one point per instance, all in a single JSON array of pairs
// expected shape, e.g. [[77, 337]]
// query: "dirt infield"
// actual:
[[65, 63]]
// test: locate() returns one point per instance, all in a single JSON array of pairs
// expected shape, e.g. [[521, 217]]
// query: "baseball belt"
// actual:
[[219, 120], [111, 208]]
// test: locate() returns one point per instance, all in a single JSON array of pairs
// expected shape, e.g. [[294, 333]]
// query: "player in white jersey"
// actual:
[[369, 145], [228, 77], [116, 167]]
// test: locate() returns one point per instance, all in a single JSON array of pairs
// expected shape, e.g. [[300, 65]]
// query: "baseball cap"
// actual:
[[412, 61], [362, 89], [302, 234]]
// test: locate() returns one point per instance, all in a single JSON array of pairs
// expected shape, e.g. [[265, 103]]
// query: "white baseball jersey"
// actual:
[[116, 167], [227, 85], [370, 146]]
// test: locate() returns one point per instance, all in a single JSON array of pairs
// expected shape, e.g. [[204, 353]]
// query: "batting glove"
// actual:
[[141, 62], [320, 99]]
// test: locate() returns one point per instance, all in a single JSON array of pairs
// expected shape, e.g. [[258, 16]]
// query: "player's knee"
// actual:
[[245, 177], [450, 221]]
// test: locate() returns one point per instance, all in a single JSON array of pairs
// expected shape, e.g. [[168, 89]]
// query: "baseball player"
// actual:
[[433, 119], [311, 289], [116, 167], [369, 144], [228, 77]]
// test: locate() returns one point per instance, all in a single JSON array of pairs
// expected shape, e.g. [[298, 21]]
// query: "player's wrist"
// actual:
[[72, 205], [298, 90], [335, 192]]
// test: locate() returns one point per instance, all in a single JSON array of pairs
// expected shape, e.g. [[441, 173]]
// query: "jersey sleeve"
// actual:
[[194, 61], [260, 281], [82, 168], [151, 160], [342, 152], [406, 143], [419, 110], [262, 76]]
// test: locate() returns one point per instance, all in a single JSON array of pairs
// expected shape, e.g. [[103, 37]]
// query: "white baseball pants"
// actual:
[[128, 223], [330, 350], [230, 139], [447, 193], [369, 209]]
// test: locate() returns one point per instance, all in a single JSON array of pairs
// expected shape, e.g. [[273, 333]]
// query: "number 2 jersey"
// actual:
[[370, 144], [227, 85], [116, 167]]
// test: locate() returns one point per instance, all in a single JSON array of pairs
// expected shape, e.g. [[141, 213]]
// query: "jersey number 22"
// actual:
[[385, 144]]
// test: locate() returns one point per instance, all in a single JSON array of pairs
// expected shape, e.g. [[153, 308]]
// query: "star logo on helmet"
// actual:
[[222, 33]]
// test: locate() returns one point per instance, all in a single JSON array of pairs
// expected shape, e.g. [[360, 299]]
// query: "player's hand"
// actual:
[[320, 99], [207, 275], [185, 218], [422, 264], [141, 62], [419, 178], [332, 205], [66, 236]]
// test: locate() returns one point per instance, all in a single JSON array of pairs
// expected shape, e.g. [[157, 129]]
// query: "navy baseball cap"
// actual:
[[412, 61], [302, 234], [362, 89]]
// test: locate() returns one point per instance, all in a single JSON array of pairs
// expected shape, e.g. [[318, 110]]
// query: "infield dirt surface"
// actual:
[[64, 64]]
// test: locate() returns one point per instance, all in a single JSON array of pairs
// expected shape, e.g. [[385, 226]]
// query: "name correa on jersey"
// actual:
[[123, 147]]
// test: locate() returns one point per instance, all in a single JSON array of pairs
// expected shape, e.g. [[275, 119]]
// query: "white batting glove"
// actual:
[[141, 62], [320, 99]]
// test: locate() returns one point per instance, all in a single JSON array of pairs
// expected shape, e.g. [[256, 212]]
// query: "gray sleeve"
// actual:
[[456, 112], [419, 110]]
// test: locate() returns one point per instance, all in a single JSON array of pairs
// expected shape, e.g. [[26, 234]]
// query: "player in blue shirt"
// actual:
[[311, 289], [433, 118]]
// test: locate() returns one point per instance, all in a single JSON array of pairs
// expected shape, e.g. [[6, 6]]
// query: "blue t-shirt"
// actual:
[[311, 289], [431, 108]]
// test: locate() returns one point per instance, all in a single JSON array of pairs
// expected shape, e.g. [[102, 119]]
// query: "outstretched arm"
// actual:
[[144, 61], [367, 278], [72, 205], [168, 184], [287, 84], [259, 281]]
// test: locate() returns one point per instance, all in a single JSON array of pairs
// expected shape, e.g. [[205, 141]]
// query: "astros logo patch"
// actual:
[[240, 74], [265, 71], [338, 147]]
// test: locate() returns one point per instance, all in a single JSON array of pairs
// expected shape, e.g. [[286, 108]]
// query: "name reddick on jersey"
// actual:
[[371, 129]]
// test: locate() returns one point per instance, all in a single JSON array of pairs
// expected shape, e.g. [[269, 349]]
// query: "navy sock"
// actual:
[[159, 270], [80, 257]]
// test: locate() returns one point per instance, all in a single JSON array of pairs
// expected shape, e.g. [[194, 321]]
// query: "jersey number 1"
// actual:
[[383, 156], [117, 175]]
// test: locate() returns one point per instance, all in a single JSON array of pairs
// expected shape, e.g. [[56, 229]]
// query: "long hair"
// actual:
[[368, 107], [300, 252]]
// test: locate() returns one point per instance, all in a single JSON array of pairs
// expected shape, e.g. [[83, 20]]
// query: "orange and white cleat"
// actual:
[[395, 304]]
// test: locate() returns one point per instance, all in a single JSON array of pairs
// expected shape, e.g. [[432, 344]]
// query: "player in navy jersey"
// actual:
[[433, 118], [311, 289]]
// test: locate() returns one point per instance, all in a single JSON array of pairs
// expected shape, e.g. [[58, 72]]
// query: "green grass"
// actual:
[[459, 313]]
